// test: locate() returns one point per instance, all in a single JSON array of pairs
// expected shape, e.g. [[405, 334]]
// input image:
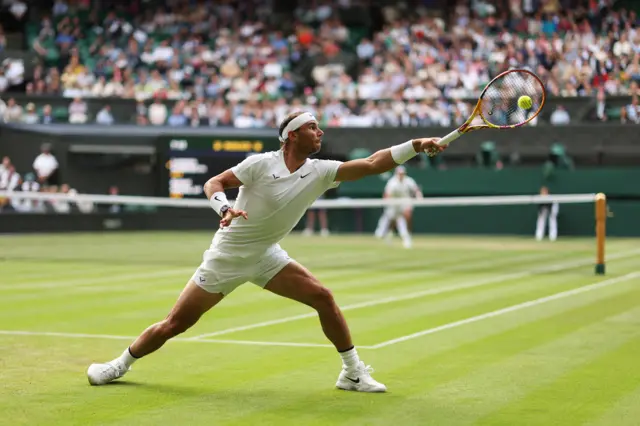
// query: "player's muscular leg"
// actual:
[[191, 305], [295, 282]]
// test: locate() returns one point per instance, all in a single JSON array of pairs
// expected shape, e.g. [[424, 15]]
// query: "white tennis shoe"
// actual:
[[101, 374], [359, 379]]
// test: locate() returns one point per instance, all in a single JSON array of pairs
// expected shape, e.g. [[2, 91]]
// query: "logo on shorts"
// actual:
[[202, 280], [274, 176]]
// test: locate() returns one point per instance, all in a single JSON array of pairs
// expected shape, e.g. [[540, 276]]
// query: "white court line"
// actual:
[[477, 318], [133, 276], [455, 324], [176, 339], [513, 308], [254, 343], [410, 296], [25, 285], [104, 279]]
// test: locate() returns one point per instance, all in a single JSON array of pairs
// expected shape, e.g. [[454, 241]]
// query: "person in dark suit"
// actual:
[[547, 212]]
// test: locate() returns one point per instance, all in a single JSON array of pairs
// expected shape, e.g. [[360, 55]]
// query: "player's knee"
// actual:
[[322, 298]]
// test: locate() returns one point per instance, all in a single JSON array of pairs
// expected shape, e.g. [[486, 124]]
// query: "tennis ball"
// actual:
[[525, 102]]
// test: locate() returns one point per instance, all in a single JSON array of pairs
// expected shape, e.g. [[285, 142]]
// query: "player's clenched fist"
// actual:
[[231, 214], [430, 146]]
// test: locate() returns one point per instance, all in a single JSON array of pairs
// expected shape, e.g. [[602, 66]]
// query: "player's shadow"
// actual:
[[312, 403], [185, 391], [233, 395]]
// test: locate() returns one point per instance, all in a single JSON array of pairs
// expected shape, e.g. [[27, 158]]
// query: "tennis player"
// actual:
[[276, 188], [399, 186]]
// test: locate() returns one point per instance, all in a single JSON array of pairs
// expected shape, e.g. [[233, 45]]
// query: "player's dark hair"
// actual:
[[286, 121]]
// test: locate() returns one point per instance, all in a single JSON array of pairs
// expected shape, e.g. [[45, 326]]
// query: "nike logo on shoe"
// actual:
[[354, 381], [304, 176]]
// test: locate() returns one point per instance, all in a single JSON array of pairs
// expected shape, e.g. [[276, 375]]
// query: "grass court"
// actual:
[[462, 330]]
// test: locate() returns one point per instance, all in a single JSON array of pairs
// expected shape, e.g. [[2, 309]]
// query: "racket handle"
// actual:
[[450, 138]]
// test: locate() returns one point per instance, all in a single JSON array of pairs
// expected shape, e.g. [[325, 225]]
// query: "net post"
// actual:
[[601, 219]]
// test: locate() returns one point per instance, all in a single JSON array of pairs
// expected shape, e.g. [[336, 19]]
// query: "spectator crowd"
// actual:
[[42, 178], [224, 63]]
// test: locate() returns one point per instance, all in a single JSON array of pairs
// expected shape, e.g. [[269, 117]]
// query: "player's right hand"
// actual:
[[430, 146], [230, 215]]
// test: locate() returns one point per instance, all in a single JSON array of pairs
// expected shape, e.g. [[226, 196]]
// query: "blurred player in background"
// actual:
[[399, 186], [276, 188], [546, 212]]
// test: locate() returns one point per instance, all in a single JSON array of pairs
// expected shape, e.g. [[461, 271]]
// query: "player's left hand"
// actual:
[[230, 215], [430, 146]]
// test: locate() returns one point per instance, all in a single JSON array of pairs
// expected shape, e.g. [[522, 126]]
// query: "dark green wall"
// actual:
[[573, 220], [622, 181], [622, 186]]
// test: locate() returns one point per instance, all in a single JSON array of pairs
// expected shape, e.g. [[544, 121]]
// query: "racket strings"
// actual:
[[500, 99]]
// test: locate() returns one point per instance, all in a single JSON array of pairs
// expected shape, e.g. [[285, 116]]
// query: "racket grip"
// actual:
[[450, 138]]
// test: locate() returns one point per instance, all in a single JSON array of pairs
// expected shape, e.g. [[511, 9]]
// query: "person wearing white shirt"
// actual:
[[399, 186], [104, 116], [46, 166], [4, 166], [158, 113], [560, 116], [276, 188], [9, 181]]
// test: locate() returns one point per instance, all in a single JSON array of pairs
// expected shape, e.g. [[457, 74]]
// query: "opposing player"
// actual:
[[399, 186], [276, 188]]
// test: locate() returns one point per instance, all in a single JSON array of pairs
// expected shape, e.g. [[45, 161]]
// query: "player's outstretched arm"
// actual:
[[386, 159], [214, 190]]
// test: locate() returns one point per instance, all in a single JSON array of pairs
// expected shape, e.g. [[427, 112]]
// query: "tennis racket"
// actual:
[[498, 106]]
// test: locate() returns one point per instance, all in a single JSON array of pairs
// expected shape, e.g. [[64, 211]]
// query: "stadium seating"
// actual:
[[356, 66]]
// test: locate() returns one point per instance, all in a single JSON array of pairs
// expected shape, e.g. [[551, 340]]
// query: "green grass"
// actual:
[[570, 359]]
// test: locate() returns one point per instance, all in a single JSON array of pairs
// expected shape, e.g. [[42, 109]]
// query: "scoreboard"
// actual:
[[192, 160]]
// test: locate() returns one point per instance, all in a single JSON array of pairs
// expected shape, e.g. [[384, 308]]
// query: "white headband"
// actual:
[[295, 124]]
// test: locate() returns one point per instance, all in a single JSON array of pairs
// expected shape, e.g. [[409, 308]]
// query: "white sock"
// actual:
[[350, 358], [126, 358]]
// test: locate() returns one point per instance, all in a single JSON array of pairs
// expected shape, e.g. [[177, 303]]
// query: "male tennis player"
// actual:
[[399, 186], [276, 188]]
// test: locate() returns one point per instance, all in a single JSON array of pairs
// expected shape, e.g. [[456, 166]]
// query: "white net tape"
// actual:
[[339, 203]]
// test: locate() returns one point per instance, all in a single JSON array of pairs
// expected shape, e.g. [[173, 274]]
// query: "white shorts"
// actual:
[[394, 212], [223, 273]]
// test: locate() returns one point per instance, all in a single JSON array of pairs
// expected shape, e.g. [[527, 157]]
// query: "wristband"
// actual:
[[403, 152], [217, 201]]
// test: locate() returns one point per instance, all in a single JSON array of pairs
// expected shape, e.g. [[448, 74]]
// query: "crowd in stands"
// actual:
[[224, 63], [43, 178]]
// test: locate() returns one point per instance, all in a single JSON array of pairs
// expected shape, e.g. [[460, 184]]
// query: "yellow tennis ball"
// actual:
[[525, 102]]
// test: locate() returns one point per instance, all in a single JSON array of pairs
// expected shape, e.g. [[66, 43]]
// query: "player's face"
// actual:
[[310, 138]]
